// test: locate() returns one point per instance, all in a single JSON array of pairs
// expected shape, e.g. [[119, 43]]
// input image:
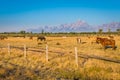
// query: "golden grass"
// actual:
[[61, 62]]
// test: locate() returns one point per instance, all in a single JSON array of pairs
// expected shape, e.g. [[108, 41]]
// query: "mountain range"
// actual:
[[78, 26], [113, 26]]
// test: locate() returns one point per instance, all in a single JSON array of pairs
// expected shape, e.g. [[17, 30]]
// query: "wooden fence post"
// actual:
[[76, 57], [25, 52], [8, 48], [47, 53]]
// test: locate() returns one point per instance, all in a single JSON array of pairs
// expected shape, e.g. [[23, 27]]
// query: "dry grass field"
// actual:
[[61, 59]]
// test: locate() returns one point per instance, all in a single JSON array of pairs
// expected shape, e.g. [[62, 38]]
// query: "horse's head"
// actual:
[[98, 39]]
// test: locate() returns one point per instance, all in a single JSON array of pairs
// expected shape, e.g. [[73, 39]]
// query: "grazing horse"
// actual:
[[3, 37], [41, 38], [105, 42], [78, 40], [31, 37], [111, 37], [24, 36]]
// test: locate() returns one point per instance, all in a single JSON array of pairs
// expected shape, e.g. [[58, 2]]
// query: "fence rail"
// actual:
[[46, 50]]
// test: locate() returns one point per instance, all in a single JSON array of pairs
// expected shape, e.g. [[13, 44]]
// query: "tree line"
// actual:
[[25, 33]]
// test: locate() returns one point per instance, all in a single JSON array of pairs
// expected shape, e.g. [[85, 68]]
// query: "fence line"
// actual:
[[76, 54]]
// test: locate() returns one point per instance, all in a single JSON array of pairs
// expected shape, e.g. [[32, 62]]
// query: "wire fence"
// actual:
[[47, 51]]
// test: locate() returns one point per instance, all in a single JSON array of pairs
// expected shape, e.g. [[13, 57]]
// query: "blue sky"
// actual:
[[16, 15]]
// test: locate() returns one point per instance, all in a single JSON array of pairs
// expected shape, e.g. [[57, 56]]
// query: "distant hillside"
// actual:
[[78, 26]]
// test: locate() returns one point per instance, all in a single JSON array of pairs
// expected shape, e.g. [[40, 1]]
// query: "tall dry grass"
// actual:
[[61, 64]]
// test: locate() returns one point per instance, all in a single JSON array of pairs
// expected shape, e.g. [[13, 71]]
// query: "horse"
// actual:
[[41, 38], [78, 40], [31, 37], [3, 37], [111, 37], [105, 42]]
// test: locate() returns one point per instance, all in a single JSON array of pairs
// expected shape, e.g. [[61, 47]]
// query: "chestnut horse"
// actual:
[[105, 42], [31, 37]]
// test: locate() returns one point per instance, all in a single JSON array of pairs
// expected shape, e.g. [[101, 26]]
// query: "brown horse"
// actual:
[[3, 37], [31, 37], [41, 38], [111, 37], [105, 42]]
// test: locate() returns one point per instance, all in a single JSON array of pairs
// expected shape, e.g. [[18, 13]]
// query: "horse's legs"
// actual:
[[105, 47], [114, 47], [41, 39], [44, 39]]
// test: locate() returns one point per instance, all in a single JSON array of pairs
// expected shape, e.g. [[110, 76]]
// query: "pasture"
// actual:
[[61, 59]]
